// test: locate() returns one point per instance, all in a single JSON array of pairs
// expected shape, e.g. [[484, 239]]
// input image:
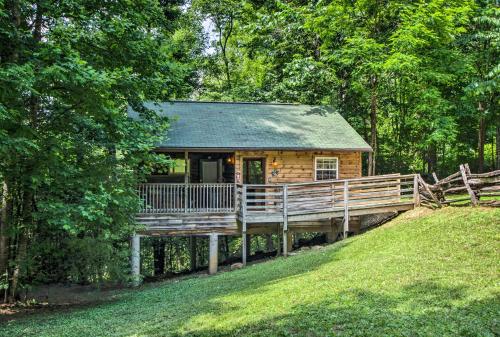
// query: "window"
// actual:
[[327, 168]]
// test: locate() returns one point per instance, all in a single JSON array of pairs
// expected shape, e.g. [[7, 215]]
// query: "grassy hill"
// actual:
[[435, 274]]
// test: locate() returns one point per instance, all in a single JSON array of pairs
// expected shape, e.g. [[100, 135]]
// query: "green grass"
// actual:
[[433, 275]]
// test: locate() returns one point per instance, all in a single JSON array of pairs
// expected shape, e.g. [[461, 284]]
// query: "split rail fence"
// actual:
[[461, 187]]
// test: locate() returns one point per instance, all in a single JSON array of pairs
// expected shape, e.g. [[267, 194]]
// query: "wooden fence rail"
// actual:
[[460, 187]]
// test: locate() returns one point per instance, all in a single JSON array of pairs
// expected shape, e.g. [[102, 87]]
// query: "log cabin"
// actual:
[[259, 168]]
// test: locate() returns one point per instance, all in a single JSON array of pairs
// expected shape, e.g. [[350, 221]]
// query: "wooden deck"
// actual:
[[231, 209]]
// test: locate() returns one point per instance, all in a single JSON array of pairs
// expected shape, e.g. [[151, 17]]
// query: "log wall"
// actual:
[[298, 166]]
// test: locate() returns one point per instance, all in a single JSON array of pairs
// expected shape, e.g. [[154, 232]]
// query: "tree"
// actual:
[[70, 156], [222, 14], [482, 47]]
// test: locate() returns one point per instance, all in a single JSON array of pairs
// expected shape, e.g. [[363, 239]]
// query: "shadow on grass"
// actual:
[[421, 309], [155, 306]]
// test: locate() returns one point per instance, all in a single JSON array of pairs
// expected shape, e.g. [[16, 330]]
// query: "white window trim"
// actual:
[[316, 167]]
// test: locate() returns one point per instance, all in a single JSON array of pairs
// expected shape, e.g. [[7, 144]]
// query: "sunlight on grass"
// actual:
[[435, 274]]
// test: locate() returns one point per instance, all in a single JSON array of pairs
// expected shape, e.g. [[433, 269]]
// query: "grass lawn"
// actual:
[[432, 275]]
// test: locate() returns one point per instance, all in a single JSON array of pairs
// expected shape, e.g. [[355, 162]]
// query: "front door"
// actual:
[[209, 171]]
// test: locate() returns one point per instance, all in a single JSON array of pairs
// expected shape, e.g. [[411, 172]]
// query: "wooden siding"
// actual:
[[298, 166]]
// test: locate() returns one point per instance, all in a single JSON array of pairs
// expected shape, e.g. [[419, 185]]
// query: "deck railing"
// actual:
[[279, 199], [325, 196], [187, 198]]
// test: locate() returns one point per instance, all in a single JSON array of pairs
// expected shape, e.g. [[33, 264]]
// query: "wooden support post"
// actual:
[[243, 225], [285, 220], [192, 243], [187, 168], [416, 192], [278, 243], [473, 198], [186, 181], [136, 259], [213, 258], [235, 197], [346, 208]]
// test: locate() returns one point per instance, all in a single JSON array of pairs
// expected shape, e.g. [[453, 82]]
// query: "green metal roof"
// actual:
[[220, 125]]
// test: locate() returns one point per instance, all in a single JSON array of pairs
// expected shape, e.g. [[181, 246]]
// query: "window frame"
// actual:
[[316, 167]]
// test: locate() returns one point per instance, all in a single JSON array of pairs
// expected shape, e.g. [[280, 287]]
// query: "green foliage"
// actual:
[[423, 67], [70, 156], [430, 274]]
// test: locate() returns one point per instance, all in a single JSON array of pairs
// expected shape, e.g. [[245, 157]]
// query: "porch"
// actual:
[[263, 203], [240, 209]]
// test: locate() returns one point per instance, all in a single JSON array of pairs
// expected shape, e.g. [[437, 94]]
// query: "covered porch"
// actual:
[[199, 182]]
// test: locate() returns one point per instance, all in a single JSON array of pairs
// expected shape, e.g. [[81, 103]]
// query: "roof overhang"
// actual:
[[230, 149]]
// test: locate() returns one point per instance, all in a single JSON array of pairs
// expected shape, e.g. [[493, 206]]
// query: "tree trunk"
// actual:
[[159, 256], [481, 141], [19, 271], [497, 166], [373, 127], [4, 249], [432, 159]]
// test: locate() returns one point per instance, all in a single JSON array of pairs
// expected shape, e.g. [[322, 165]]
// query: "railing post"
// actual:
[[244, 225], [235, 196], [186, 197], [285, 220], [416, 192], [346, 208]]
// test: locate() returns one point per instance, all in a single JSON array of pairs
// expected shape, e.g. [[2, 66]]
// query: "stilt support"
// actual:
[[244, 248], [285, 220], [285, 243], [136, 259], [244, 225], [213, 259]]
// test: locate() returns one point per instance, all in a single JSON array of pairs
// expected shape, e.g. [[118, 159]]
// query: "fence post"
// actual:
[[416, 192], [346, 208], [285, 220], [473, 198], [244, 225], [428, 190]]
